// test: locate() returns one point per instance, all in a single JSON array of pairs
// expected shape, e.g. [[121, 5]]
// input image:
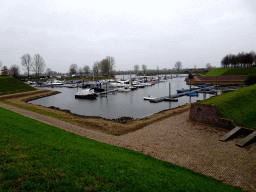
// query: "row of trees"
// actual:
[[13, 71], [178, 66], [137, 67], [37, 64], [239, 60], [105, 67]]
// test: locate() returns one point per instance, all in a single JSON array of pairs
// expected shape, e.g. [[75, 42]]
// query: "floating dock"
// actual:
[[169, 98]]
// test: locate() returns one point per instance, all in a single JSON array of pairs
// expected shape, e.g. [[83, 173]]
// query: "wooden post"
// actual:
[[106, 89], [216, 86], [169, 90]]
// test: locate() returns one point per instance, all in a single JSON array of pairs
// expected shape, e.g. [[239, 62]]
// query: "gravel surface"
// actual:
[[177, 140]]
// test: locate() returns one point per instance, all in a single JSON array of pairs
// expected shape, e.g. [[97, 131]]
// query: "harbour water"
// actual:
[[126, 104]]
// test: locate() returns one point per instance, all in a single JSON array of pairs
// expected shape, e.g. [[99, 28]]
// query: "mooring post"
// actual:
[[216, 86], [169, 90], [106, 89], [190, 85]]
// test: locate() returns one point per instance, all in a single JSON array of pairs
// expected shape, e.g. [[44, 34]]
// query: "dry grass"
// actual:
[[96, 123]]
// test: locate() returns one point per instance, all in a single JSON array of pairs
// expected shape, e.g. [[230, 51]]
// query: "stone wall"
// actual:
[[209, 114]]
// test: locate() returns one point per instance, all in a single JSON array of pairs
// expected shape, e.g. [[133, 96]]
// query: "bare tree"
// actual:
[[80, 70], [14, 70], [107, 66], [136, 69], [86, 69], [48, 71], [73, 69], [178, 65], [144, 68], [26, 62], [96, 68], [111, 63], [1, 64], [208, 66], [38, 64]]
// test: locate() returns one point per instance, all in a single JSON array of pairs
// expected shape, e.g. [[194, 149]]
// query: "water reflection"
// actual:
[[129, 104]]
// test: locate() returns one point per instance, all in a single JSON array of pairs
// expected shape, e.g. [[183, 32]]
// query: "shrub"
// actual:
[[250, 80], [190, 76]]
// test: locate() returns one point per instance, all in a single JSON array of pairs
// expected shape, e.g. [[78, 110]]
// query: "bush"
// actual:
[[190, 76], [250, 80]]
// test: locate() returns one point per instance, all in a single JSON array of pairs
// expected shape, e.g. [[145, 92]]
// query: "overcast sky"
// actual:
[[154, 33]]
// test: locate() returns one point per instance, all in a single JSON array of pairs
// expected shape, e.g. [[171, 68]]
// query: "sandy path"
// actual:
[[192, 145]]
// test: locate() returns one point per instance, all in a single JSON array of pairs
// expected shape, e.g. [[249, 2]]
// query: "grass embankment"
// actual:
[[9, 85], [238, 105], [215, 72], [40, 157], [97, 123], [231, 72]]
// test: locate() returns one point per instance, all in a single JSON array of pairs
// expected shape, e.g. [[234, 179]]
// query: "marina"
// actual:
[[111, 104]]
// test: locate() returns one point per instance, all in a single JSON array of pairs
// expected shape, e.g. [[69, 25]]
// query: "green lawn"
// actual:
[[238, 106], [10, 85], [231, 72], [38, 157]]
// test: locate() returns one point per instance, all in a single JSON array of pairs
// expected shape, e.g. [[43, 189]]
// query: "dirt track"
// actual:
[[177, 140]]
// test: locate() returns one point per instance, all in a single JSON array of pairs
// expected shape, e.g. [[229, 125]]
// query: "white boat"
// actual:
[[149, 98], [123, 89], [132, 88], [139, 86], [127, 89], [86, 94], [55, 82]]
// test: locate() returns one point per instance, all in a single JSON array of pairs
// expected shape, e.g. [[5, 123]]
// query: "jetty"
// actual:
[[170, 97], [113, 91]]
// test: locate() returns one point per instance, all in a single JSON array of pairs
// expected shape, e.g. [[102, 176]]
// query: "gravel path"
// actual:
[[177, 140]]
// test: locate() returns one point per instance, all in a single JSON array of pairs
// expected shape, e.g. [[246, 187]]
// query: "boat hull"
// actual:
[[86, 96]]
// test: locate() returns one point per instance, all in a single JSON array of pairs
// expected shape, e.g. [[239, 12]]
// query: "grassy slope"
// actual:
[[240, 71], [215, 72], [232, 71], [36, 156], [12, 85], [238, 106]]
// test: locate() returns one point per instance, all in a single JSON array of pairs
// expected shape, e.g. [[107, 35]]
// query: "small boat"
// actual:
[[139, 86], [127, 89], [86, 94], [181, 91], [202, 86], [97, 89], [133, 88], [192, 93], [149, 98]]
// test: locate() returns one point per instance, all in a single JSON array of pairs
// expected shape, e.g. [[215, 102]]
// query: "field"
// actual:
[[36, 156], [9, 85], [232, 71], [238, 105]]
